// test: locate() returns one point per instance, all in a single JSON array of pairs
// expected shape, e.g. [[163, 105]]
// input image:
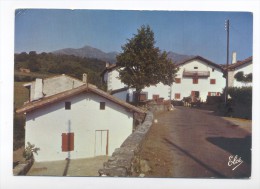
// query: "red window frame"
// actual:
[[156, 97], [212, 81], [67, 142], [177, 80], [195, 80], [177, 95]]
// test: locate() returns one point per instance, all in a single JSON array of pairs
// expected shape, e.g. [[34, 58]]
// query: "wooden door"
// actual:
[[101, 142]]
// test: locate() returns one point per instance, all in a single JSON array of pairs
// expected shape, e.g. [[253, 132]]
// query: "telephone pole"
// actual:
[[226, 89]]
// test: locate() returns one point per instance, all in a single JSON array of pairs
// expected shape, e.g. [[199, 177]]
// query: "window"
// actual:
[[195, 80], [177, 80], [102, 105], [214, 93], [212, 81], [177, 96], [196, 67], [67, 105], [155, 97], [67, 142], [213, 69]]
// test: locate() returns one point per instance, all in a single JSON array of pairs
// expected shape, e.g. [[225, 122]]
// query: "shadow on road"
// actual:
[[236, 146], [194, 158]]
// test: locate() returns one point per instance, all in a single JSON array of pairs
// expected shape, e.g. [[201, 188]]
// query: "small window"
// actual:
[[67, 105], [212, 81], [177, 80], [195, 80], [102, 105], [177, 96], [195, 67], [213, 69], [156, 97]]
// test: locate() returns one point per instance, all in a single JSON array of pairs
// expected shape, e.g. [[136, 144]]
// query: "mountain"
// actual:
[[89, 52], [178, 58]]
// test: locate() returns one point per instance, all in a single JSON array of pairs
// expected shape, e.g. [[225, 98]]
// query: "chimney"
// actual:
[[85, 78], [234, 57], [38, 89]]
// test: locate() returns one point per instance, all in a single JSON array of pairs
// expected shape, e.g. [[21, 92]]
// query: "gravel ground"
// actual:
[[78, 167]]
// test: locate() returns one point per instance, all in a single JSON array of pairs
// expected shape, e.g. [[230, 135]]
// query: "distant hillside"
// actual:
[[89, 52], [47, 64], [177, 58]]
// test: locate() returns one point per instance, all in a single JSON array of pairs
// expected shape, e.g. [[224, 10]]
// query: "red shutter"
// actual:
[[177, 95], [209, 93], [177, 80], [195, 80], [212, 81], [67, 142], [155, 97], [218, 93], [192, 93]]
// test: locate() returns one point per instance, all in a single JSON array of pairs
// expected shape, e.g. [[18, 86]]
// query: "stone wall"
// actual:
[[23, 167], [120, 164]]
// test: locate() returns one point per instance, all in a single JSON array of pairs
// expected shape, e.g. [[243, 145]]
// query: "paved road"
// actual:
[[198, 144]]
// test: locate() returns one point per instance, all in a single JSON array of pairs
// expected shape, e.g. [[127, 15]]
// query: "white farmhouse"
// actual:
[[245, 66], [78, 122], [196, 76]]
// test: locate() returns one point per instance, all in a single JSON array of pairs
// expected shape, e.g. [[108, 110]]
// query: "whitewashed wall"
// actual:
[[160, 89], [203, 86], [112, 80], [45, 126]]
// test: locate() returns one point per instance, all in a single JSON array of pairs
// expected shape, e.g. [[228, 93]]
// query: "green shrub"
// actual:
[[241, 95]]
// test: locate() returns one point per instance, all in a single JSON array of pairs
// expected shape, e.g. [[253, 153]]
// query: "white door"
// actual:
[[101, 142]]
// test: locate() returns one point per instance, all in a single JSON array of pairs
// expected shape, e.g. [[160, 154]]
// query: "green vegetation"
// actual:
[[240, 76], [47, 64], [142, 64], [21, 95], [240, 104]]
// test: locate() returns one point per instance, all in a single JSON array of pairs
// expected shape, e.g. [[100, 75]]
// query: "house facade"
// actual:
[[245, 66], [77, 123], [196, 76]]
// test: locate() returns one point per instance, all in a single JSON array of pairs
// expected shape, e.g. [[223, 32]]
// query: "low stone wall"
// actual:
[[23, 167], [120, 164]]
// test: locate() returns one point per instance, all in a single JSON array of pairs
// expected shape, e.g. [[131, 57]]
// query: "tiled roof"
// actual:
[[84, 88], [202, 59], [240, 63]]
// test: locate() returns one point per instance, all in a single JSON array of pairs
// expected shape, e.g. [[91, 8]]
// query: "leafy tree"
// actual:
[[241, 77], [141, 64]]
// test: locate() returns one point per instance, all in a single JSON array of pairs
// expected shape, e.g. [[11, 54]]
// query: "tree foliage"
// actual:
[[241, 77], [59, 64], [141, 64]]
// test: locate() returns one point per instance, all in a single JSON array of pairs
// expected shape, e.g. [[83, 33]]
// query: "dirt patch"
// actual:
[[75, 167], [155, 152]]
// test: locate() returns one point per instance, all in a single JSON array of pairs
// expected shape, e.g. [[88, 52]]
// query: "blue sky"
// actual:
[[184, 32]]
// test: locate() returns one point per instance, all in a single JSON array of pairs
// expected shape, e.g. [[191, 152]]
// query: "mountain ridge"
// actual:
[[91, 52]]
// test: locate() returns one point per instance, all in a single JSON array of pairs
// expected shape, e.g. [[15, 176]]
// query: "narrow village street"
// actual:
[[189, 142]]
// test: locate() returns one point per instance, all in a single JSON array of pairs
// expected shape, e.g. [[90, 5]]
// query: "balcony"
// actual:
[[187, 73]]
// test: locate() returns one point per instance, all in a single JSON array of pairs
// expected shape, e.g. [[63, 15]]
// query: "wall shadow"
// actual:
[[218, 174], [236, 146]]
